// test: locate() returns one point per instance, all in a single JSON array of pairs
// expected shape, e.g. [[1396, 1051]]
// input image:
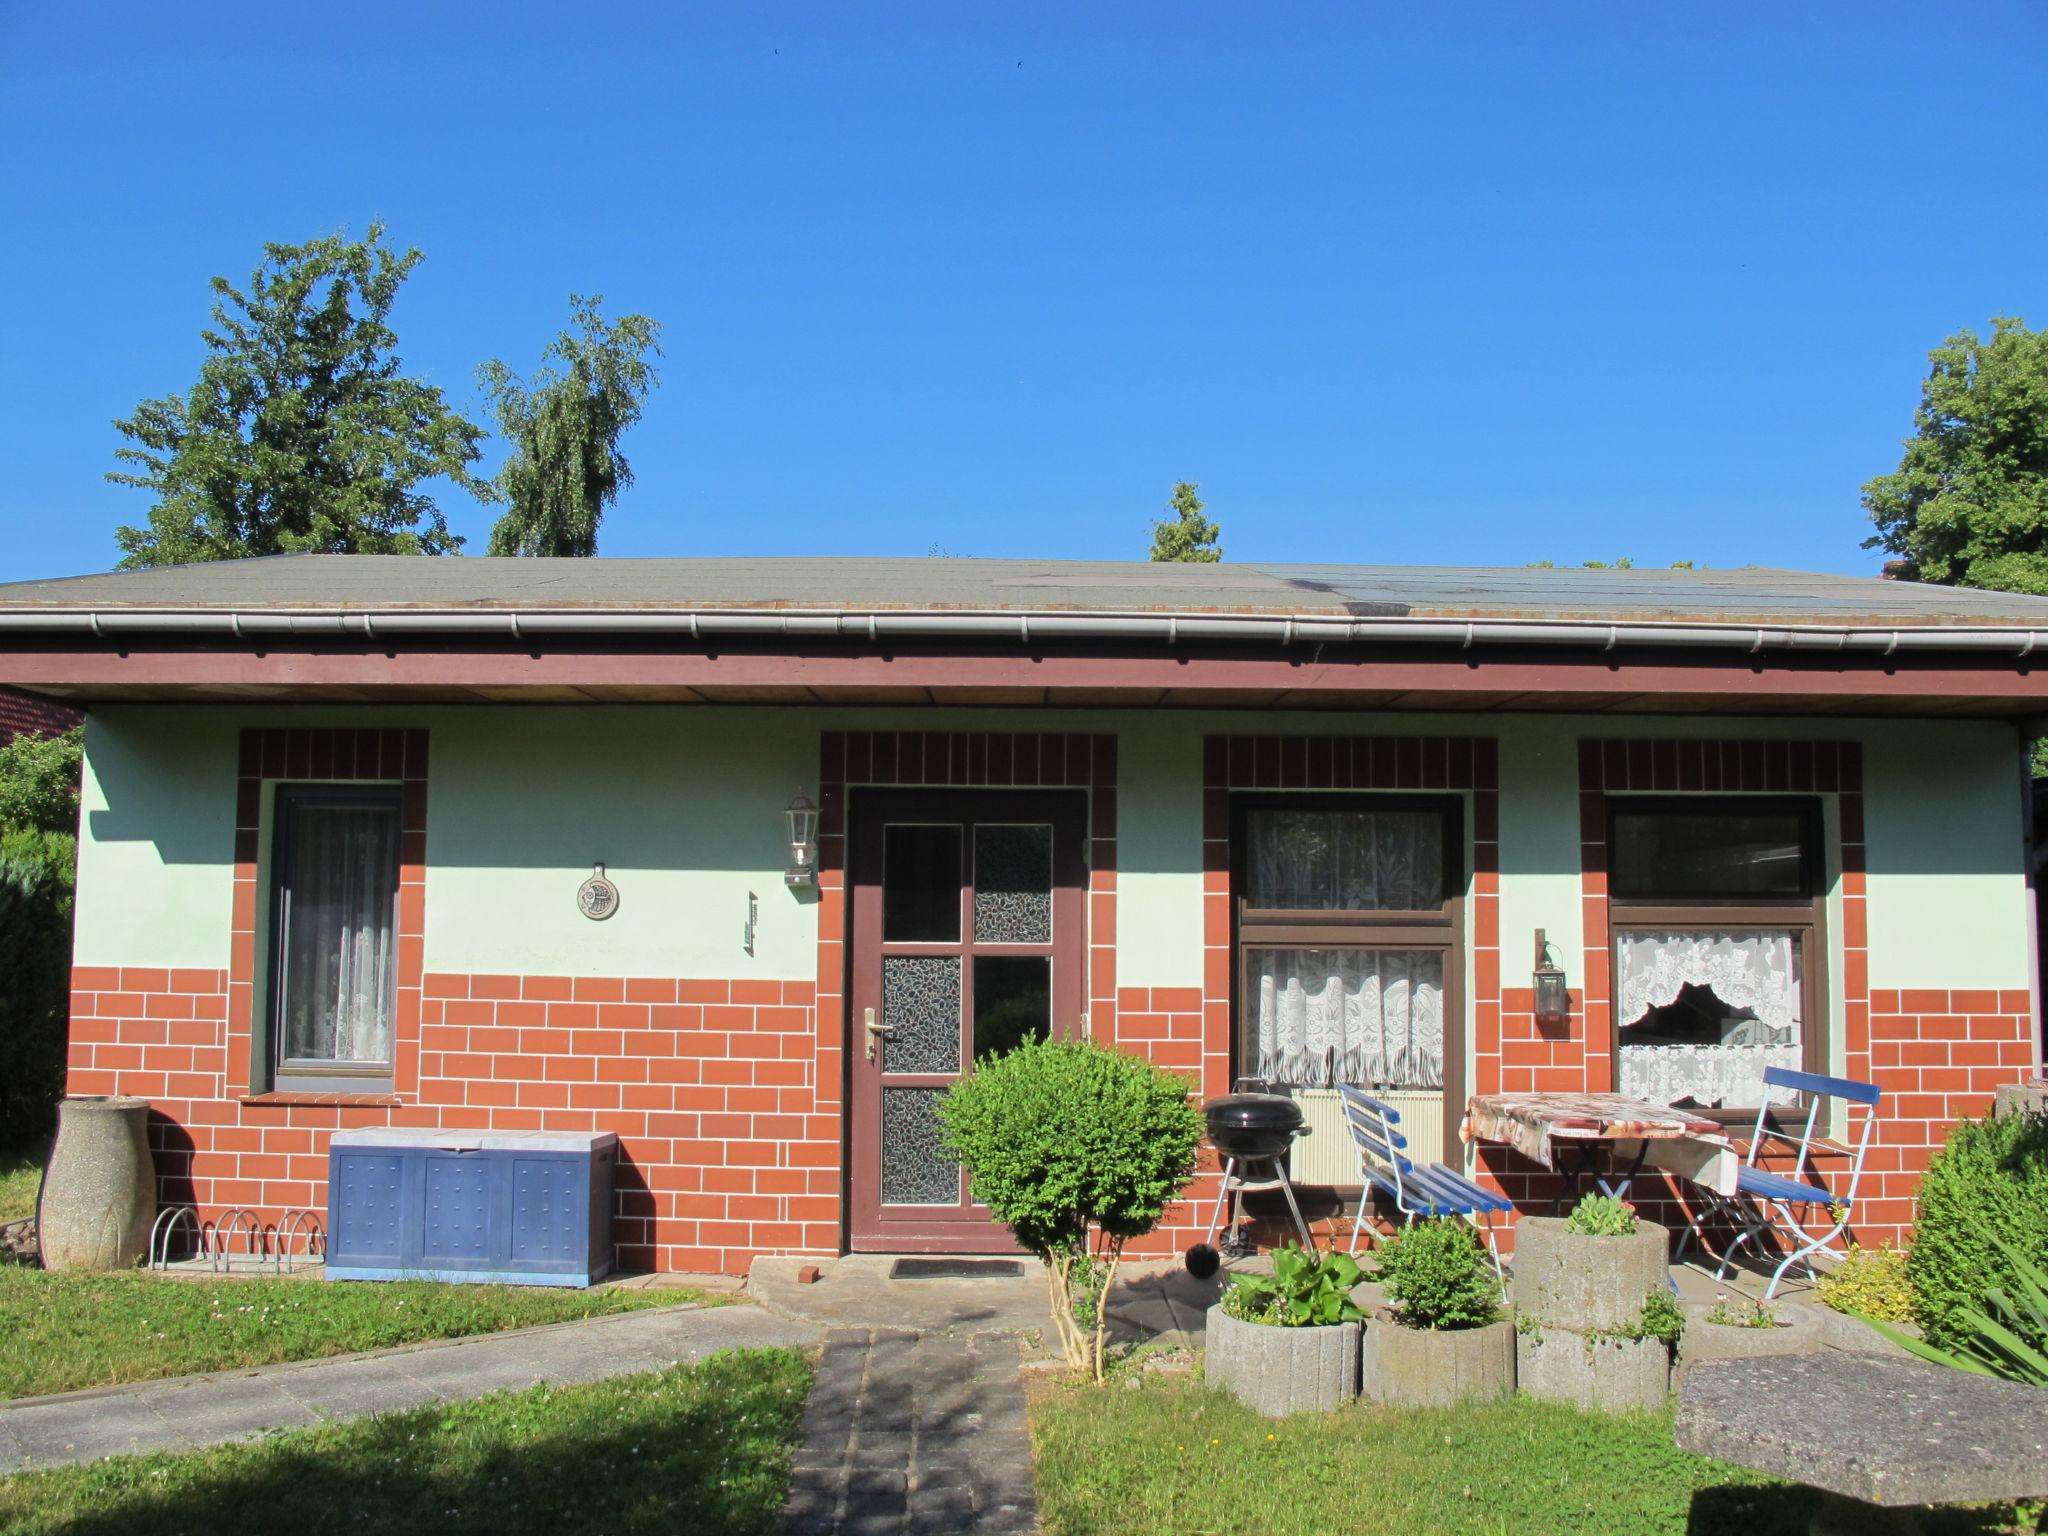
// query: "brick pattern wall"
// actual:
[[23, 714]]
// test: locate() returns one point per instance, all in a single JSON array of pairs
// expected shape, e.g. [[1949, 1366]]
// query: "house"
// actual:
[[507, 843], [21, 715]]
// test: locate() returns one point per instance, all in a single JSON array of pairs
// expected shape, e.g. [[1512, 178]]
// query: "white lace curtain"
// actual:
[[341, 957], [1752, 972], [1370, 1016]]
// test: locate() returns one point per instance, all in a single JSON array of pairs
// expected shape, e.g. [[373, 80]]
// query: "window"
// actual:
[[1347, 938], [334, 937], [1716, 907]]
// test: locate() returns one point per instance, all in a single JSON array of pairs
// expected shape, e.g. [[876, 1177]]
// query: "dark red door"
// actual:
[[968, 939]]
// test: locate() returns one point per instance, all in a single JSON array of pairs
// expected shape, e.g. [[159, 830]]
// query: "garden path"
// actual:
[[189, 1412]]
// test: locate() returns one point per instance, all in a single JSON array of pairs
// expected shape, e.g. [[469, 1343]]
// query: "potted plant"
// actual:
[[1064, 1139], [1288, 1343], [1444, 1339], [1595, 1322]]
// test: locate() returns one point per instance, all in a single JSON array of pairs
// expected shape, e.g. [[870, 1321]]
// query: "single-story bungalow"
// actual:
[[508, 844]]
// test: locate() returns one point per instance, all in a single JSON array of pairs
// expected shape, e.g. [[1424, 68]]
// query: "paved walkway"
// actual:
[[910, 1434], [192, 1411]]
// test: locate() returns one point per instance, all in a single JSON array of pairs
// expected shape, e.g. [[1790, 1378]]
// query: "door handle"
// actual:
[[875, 1031]]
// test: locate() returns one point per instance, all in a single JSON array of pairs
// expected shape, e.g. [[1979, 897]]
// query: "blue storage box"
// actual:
[[518, 1207]]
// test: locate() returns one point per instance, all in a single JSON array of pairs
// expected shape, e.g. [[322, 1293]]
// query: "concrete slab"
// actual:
[[208, 1412], [87, 1428], [857, 1291]]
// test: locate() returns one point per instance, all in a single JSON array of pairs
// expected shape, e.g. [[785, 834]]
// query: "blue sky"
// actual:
[[1463, 283]]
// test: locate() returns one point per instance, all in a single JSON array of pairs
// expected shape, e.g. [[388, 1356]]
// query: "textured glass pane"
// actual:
[[1012, 1001], [1013, 885], [1370, 1017], [913, 1172], [1346, 861], [921, 1005], [921, 885], [1681, 854], [340, 989]]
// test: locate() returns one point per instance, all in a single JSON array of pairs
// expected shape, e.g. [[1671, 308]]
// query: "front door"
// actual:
[[967, 939]]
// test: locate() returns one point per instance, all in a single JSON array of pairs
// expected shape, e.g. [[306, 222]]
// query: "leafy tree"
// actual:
[[1968, 504], [1186, 535], [301, 434], [565, 425], [38, 852]]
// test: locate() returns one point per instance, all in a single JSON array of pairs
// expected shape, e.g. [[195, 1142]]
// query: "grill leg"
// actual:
[[1222, 1194]]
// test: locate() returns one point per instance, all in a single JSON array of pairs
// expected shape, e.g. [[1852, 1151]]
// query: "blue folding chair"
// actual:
[[1764, 1202], [1417, 1189]]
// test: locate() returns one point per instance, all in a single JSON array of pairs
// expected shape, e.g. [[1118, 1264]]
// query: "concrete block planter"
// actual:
[[1435, 1368], [1800, 1331], [1591, 1371], [1587, 1284], [1278, 1371]]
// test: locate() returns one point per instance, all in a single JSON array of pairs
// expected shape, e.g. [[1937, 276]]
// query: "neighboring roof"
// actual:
[[398, 583]]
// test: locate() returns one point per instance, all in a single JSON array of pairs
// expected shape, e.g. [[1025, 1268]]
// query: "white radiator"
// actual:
[[1326, 1156]]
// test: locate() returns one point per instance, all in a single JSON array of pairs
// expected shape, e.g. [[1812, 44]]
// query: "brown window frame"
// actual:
[[1804, 916], [1283, 928]]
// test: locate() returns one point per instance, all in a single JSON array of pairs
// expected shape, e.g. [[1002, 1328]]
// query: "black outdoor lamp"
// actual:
[[803, 843], [1553, 999]]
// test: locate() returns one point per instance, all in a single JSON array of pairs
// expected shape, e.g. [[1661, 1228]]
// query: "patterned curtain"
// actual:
[[1753, 974], [341, 957], [1367, 1016]]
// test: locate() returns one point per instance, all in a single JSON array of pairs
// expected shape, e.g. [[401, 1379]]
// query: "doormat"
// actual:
[[956, 1269]]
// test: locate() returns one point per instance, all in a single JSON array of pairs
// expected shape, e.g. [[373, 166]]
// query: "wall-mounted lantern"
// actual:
[[1553, 998], [803, 843]]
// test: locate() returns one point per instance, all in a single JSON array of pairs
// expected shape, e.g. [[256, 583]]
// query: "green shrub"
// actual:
[[1304, 1291], [35, 981], [1063, 1136], [1438, 1276], [1661, 1318], [2006, 1334], [39, 782], [1985, 1194], [1870, 1282], [1601, 1216]]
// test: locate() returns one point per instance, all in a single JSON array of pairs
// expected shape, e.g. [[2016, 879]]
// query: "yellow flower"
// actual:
[[1272, 1437]]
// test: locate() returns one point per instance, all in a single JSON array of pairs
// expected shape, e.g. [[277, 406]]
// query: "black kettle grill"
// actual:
[[1251, 1132]]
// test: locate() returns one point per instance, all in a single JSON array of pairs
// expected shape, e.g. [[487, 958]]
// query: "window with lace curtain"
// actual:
[[1347, 916], [1716, 908], [334, 937]]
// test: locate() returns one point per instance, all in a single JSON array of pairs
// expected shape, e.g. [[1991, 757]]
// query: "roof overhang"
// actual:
[[893, 656]]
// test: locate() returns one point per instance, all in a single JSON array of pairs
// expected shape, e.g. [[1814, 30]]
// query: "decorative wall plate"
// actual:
[[597, 898]]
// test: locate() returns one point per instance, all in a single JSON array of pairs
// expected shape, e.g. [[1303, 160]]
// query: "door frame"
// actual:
[[966, 1228]]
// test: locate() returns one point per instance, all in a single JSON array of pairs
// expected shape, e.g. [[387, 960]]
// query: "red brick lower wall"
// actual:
[[708, 1085]]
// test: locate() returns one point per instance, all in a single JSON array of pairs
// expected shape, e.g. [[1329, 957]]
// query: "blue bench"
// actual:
[[1417, 1189]]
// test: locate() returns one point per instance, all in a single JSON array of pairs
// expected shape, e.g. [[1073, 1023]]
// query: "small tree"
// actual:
[[564, 425], [1187, 534], [1062, 1136], [301, 434], [38, 850]]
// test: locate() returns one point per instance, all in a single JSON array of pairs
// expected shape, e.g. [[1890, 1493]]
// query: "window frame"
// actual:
[[1440, 928], [297, 1074], [1804, 916]]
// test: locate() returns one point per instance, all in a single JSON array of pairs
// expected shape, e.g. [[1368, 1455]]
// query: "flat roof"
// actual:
[[402, 583]]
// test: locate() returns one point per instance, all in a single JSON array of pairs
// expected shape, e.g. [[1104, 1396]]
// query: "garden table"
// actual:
[[1605, 1139]]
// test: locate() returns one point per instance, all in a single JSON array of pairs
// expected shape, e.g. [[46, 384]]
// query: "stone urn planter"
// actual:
[[1277, 1371], [1577, 1298], [1436, 1367], [99, 1196]]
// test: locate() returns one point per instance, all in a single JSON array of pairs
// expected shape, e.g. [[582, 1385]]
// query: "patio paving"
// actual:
[[189, 1412]]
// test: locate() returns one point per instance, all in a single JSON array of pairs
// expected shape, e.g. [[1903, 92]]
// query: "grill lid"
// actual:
[[1252, 1112]]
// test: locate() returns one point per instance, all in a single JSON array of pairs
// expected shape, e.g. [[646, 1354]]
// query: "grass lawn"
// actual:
[[1171, 1458], [703, 1449], [59, 1331], [19, 1175]]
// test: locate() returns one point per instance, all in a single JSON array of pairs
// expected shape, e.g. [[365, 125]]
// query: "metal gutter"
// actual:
[[1023, 627]]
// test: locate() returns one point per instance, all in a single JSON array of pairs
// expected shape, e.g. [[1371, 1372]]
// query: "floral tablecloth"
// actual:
[[1674, 1140]]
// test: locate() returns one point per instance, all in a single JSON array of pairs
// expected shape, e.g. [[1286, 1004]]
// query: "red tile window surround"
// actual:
[[1173, 1031], [272, 754]]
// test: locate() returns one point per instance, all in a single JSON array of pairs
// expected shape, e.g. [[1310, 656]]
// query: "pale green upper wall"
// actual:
[[684, 806]]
